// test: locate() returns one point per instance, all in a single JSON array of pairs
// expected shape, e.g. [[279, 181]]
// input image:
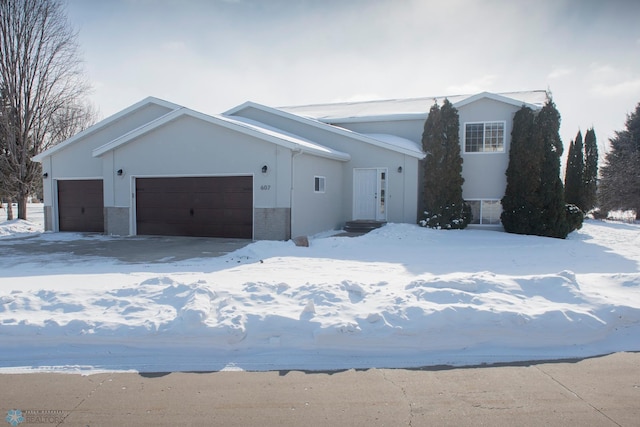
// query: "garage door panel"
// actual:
[[195, 206], [80, 205]]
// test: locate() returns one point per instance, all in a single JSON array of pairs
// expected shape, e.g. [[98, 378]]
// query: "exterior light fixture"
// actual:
[[399, 169], [45, 175], [120, 172], [265, 168]]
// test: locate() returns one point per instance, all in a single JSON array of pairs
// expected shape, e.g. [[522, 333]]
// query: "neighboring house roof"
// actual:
[[406, 109], [255, 129], [396, 144], [104, 123]]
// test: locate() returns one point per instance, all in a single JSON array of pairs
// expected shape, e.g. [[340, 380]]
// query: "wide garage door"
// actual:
[[195, 206], [81, 205]]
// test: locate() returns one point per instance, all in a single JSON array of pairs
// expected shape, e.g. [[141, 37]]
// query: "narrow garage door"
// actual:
[[80, 205], [195, 206]]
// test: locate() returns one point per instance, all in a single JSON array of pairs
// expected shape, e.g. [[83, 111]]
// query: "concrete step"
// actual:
[[362, 225]]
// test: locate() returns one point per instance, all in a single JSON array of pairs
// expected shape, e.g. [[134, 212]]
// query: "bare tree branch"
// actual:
[[42, 90]]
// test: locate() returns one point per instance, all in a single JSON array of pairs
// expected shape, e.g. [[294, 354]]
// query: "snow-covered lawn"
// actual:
[[401, 296]]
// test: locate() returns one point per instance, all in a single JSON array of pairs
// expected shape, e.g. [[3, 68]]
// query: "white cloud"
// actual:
[[629, 88], [559, 72]]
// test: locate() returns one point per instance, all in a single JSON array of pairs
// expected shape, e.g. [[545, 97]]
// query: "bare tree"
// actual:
[[43, 89]]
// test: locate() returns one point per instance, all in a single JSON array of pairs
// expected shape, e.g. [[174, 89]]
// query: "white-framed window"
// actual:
[[484, 137], [485, 212], [318, 184]]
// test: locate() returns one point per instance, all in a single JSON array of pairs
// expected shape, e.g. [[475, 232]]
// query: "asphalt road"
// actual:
[[602, 391]]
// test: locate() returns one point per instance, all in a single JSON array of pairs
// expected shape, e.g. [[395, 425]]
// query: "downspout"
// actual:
[[295, 152]]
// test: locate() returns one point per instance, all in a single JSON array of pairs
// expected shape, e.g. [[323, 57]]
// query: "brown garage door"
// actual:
[[195, 206], [80, 205]]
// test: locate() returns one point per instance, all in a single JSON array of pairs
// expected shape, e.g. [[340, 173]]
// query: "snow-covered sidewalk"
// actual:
[[399, 296]]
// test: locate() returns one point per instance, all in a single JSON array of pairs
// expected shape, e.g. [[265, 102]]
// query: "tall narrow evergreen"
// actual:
[[521, 202], [590, 175], [443, 203], [574, 175], [534, 198], [554, 216]]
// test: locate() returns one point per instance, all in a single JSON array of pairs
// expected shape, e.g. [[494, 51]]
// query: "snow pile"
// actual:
[[399, 296], [18, 227]]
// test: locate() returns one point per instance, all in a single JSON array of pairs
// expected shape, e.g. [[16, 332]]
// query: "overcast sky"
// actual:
[[211, 55]]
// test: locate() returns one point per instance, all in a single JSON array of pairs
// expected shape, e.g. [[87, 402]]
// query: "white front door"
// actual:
[[369, 194]]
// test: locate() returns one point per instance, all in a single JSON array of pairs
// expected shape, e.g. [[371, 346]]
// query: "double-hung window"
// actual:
[[484, 137]]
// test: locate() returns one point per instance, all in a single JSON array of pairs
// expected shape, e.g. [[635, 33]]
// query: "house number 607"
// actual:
[[265, 187]]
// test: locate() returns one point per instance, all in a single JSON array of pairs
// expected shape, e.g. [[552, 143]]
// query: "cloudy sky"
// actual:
[[211, 55]]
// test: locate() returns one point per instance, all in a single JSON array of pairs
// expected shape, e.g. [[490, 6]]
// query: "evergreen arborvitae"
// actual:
[[574, 174], [534, 198], [619, 186], [554, 215], [443, 203], [521, 202], [590, 175]]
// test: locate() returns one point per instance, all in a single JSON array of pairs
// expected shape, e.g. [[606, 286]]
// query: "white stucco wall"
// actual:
[[75, 160], [191, 147], [484, 173], [188, 146], [409, 129], [402, 188], [315, 212]]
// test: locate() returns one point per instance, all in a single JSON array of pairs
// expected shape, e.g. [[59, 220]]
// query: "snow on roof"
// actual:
[[404, 147], [245, 126], [400, 109], [303, 143], [394, 140]]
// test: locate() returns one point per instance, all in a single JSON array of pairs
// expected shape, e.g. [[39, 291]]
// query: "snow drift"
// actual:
[[400, 296]]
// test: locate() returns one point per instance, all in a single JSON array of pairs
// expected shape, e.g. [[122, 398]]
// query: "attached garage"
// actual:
[[195, 206], [81, 205]]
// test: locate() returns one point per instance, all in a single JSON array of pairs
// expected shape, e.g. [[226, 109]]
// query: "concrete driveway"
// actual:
[[133, 250]]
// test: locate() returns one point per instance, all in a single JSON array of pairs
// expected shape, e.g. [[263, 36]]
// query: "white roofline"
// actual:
[[104, 123], [248, 129], [325, 126], [417, 115], [495, 97]]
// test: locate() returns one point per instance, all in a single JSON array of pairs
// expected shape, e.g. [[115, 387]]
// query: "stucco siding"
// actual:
[[188, 146], [75, 161], [484, 173], [409, 129], [312, 211]]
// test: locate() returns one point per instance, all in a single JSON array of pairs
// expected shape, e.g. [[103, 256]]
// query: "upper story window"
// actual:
[[484, 137]]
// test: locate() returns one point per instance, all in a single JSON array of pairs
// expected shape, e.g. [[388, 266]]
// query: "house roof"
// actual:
[[104, 123], [247, 127], [388, 142], [406, 109]]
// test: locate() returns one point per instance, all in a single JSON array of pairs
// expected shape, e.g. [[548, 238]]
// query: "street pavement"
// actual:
[[601, 391]]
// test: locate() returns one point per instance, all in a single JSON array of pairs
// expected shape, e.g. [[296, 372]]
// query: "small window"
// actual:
[[319, 184], [485, 212], [486, 137]]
